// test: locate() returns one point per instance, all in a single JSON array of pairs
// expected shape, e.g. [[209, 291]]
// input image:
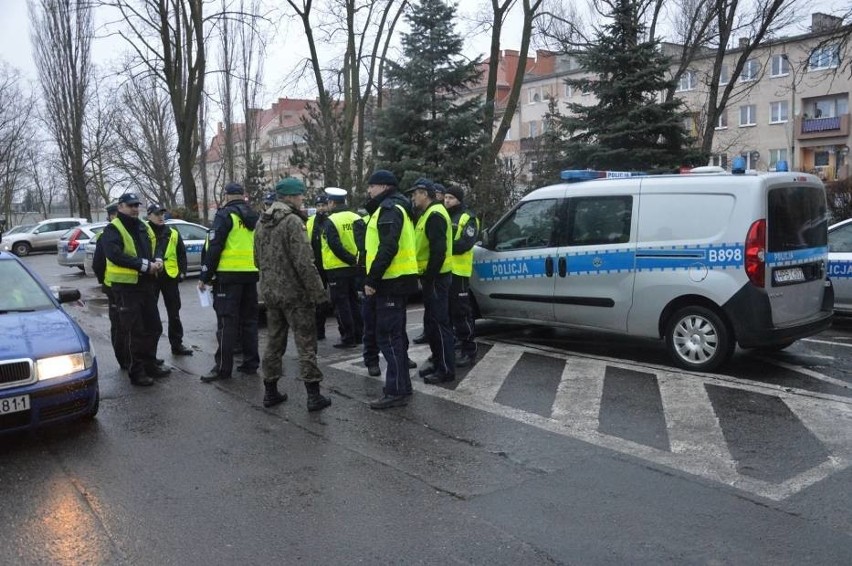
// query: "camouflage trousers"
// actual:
[[279, 320]]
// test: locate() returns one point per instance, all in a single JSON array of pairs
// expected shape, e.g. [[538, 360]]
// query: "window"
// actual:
[[722, 119], [776, 155], [778, 112], [529, 226], [824, 58], [840, 239], [750, 71], [724, 75], [533, 129], [509, 134], [780, 66], [534, 95], [719, 160], [599, 220], [748, 115], [751, 159], [689, 125], [820, 159], [569, 91], [190, 232], [688, 81]]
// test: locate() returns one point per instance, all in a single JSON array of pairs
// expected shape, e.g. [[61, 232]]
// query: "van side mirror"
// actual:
[[485, 239]]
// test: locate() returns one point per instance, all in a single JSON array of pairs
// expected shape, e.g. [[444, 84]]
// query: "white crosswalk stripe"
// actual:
[[698, 445]]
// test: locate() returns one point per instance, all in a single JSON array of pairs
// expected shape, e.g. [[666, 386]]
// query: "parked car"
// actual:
[[48, 373], [71, 249], [840, 264], [41, 236], [194, 236]]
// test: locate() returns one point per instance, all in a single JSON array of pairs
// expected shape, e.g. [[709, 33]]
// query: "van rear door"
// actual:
[[796, 251]]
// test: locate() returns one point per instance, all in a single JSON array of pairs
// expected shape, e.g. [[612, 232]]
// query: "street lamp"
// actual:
[[792, 113]]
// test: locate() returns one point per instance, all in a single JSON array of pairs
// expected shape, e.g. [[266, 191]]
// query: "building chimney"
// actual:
[[824, 22], [743, 42], [221, 129]]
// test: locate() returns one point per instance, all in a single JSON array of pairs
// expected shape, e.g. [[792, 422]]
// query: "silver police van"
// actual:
[[705, 261]]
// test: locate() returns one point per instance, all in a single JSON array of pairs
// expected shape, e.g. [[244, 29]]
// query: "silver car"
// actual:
[[71, 249], [840, 264], [40, 237], [193, 235]]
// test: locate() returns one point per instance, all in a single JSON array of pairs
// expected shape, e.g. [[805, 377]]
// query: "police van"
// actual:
[[704, 260]]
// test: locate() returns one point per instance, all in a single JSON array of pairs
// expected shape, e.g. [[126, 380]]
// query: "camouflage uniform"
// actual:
[[291, 288]]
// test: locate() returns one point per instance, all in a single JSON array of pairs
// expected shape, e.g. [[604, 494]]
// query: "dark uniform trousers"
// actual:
[[347, 306], [117, 336], [236, 319], [461, 314], [370, 350], [437, 327], [139, 320], [393, 342], [279, 320], [170, 288]]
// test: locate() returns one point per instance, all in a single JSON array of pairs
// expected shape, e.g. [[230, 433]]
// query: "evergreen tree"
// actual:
[[630, 127], [256, 183], [548, 156], [319, 159], [425, 126]]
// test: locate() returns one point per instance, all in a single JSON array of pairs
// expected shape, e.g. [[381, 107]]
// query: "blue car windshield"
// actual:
[[20, 292]]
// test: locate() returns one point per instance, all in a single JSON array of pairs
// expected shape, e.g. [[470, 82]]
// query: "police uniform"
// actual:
[[314, 227], [433, 240], [172, 251], [129, 249], [465, 229], [229, 267], [391, 276], [118, 339], [339, 237]]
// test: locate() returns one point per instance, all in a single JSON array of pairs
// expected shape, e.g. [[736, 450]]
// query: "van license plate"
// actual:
[[14, 404], [791, 275]]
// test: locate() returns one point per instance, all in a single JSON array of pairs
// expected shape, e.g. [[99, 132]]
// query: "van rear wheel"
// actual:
[[698, 339]]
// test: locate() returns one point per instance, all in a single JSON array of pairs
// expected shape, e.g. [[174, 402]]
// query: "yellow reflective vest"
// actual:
[[463, 263], [422, 242], [343, 221], [238, 253], [170, 261], [405, 260], [116, 273]]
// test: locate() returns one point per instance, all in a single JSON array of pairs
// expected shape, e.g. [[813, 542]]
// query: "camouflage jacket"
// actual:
[[285, 259]]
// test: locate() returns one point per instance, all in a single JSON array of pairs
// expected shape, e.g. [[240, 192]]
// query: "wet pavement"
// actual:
[[556, 447]]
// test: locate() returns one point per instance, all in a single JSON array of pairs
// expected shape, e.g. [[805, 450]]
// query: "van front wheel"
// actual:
[[698, 339]]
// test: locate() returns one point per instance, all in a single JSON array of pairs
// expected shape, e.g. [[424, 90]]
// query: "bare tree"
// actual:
[[61, 36], [98, 144], [16, 107], [227, 62], [202, 159], [168, 38], [250, 57]]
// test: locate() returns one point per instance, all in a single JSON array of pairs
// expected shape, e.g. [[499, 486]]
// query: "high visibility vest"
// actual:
[[344, 222], [116, 273], [405, 260], [463, 263], [310, 227], [170, 261], [422, 242], [238, 253]]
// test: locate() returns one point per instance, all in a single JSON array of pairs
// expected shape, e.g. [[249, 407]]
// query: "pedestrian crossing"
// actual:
[[768, 440]]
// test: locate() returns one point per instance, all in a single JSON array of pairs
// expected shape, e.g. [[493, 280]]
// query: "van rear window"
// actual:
[[797, 219]]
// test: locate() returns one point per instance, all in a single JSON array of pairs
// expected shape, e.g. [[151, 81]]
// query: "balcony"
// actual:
[[815, 128]]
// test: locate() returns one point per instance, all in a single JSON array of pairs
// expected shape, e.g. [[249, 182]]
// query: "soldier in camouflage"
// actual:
[[291, 289]]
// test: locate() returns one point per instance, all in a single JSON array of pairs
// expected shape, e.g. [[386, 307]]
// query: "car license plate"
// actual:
[[14, 404], [790, 275]]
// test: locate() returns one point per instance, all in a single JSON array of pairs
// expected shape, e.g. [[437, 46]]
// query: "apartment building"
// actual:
[[790, 103]]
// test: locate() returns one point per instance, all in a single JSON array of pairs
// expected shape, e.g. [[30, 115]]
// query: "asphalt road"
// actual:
[[558, 447]]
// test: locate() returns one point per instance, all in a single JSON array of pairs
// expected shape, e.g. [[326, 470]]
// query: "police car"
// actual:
[[840, 264], [704, 261]]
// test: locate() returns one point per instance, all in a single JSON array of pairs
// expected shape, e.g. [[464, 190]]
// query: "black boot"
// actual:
[[272, 397], [316, 402]]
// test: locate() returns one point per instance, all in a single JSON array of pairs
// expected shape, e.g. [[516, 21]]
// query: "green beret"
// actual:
[[289, 187]]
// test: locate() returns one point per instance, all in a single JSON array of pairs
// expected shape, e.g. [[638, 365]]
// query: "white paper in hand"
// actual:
[[205, 297]]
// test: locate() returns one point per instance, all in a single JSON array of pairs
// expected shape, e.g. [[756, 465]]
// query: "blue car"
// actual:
[[48, 371]]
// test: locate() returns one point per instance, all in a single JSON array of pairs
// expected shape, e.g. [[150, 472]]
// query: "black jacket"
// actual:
[[113, 247], [163, 234], [390, 221], [222, 225]]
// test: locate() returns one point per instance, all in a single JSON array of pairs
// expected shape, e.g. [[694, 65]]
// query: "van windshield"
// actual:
[[797, 219]]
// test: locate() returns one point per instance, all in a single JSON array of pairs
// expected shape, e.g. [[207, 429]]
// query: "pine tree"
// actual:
[[630, 127], [549, 154], [256, 183], [425, 127]]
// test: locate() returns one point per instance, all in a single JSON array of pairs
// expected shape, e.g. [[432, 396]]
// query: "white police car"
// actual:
[[703, 260], [840, 264]]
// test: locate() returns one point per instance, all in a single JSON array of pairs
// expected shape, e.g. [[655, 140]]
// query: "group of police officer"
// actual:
[[367, 265]]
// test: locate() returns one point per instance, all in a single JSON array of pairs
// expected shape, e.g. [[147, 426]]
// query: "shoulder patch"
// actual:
[[469, 231]]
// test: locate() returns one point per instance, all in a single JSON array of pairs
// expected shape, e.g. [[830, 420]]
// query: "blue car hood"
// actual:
[[38, 334]]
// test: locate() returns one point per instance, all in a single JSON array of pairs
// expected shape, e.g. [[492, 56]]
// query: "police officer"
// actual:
[[340, 263], [131, 270], [172, 251], [117, 337], [314, 226], [439, 196], [291, 288], [229, 266], [391, 267], [465, 232], [433, 239]]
